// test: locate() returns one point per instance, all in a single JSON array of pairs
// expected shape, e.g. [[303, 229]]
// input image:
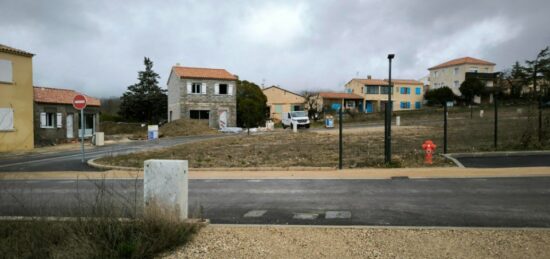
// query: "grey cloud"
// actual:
[[98, 46]]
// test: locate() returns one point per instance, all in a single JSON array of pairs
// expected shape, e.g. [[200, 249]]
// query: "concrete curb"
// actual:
[[499, 153], [381, 227], [94, 164], [454, 160], [203, 222]]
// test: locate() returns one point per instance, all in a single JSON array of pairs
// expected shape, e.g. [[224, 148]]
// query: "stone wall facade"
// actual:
[[57, 133], [181, 105]]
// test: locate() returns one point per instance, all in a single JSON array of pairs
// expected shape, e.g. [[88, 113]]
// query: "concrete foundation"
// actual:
[[165, 185]]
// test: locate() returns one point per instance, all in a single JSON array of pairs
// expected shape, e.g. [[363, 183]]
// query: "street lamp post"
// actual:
[[387, 133]]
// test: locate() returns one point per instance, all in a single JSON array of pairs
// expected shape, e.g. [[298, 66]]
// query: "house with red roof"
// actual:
[[453, 72], [407, 94], [57, 121], [207, 94]]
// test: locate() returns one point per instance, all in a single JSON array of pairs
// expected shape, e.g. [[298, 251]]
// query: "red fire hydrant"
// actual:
[[429, 148]]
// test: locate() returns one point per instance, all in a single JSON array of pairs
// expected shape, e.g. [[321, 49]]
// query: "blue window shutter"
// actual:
[[418, 91]]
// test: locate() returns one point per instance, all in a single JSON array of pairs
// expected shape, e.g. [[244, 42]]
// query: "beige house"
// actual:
[[330, 101], [280, 100], [407, 95], [452, 73], [16, 100]]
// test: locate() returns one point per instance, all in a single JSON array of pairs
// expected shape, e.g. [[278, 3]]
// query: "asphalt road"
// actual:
[[506, 161], [492, 202], [71, 160]]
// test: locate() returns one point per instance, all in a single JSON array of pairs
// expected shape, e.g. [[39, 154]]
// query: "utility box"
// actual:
[[99, 139], [329, 122], [165, 186], [152, 132]]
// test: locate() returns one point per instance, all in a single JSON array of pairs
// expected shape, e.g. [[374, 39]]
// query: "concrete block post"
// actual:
[[398, 121], [165, 184], [295, 127]]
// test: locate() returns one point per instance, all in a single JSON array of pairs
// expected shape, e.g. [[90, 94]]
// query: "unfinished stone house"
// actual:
[[203, 94]]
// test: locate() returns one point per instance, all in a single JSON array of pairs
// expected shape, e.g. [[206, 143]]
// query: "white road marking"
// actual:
[[255, 213], [338, 214], [308, 216]]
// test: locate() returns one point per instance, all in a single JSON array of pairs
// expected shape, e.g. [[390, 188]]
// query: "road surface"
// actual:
[[491, 202], [71, 160], [506, 161]]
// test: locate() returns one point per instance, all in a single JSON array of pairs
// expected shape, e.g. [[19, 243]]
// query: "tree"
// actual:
[[470, 88], [145, 101], [516, 79], [439, 96], [311, 104], [251, 105], [539, 69]]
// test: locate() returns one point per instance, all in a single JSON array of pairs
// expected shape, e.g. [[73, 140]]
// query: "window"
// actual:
[[6, 119], [199, 114], [371, 89], [435, 73], [418, 91], [196, 88], [456, 84], [349, 90], [456, 71], [417, 105], [384, 89], [47, 120], [296, 108], [405, 90], [473, 69], [6, 71], [405, 105], [223, 89], [350, 104]]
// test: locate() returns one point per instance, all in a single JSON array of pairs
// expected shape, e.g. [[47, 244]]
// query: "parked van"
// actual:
[[296, 117]]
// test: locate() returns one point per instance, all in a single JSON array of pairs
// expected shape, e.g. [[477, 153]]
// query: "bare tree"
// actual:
[[311, 104]]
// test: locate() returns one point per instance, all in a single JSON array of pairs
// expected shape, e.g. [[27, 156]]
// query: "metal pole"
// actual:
[[82, 134], [445, 114], [341, 145], [496, 120], [387, 146]]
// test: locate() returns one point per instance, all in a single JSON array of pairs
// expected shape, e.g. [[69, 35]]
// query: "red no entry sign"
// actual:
[[79, 102]]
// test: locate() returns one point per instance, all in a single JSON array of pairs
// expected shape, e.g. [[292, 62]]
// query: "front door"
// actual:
[[70, 133], [222, 115]]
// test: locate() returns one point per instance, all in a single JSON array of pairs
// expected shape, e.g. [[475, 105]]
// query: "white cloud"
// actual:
[[275, 25]]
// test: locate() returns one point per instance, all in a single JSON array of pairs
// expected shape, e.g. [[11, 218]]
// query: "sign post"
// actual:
[[79, 103]]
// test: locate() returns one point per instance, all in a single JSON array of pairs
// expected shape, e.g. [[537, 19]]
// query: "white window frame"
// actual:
[[456, 83], [7, 118], [455, 71], [6, 71], [45, 123], [196, 88]]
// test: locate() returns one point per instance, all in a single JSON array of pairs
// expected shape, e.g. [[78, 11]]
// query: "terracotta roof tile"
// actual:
[[203, 73], [60, 96], [332, 95], [462, 61], [405, 82], [8, 49], [371, 81]]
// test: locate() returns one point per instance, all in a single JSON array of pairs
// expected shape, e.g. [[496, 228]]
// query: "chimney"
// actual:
[[369, 77], [177, 64]]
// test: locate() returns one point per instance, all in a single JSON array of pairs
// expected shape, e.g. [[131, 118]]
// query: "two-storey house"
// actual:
[[203, 94], [407, 94], [452, 73], [16, 99]]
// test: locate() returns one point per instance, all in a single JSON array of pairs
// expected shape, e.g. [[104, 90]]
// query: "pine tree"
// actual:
[[145, 101]]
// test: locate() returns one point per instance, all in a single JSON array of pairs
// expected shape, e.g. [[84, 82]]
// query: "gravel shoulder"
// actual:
[[222, 241]]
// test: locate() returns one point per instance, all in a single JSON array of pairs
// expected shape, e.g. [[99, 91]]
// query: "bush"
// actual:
[[439, 96]]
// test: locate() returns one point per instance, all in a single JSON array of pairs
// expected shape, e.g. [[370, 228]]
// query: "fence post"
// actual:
[[496, 120], [445, 128], [540, 118], [340, 144]]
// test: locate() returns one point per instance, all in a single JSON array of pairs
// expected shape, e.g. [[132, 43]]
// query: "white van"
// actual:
[[296, 117]]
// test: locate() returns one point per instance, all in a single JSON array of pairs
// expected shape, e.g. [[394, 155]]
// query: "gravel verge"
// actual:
[[329, 242]]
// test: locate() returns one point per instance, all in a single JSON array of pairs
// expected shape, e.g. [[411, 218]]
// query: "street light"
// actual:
[[387, 132]]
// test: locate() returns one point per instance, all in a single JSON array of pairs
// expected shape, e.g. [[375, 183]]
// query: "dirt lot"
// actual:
[[364, 145], [175, 128], [285, 149], [323, 242]]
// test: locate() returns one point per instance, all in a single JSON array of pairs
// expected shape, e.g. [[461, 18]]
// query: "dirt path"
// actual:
[[326, 242]]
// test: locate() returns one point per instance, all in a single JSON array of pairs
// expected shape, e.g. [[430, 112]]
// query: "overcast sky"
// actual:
[[98, 46]]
